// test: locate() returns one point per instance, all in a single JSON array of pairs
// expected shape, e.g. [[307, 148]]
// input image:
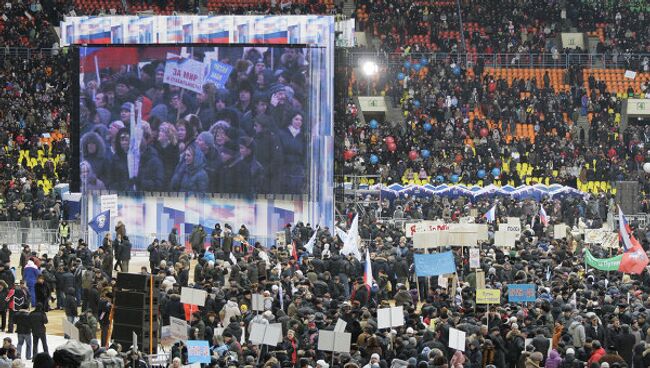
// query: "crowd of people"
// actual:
[[249, 136], [581, 316]]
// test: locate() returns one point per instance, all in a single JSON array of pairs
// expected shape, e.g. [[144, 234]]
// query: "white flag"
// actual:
[[351, 243], [310, 244]]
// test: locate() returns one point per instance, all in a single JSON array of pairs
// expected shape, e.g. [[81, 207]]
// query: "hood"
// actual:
[[554, 355], [199, 161], [92, 137]]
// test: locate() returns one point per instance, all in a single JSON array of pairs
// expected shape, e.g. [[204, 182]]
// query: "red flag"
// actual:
[[635, 259], [294, 251]]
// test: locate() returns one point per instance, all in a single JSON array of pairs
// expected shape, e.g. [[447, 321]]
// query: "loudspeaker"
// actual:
[[627, 196], [133, 317], [135, 300], [132, 281]]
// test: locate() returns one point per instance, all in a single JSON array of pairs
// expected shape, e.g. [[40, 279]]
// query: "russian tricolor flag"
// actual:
[[491, 215], [95, 35], [368, 280], [542, 216], [215, 37], [624, 230], [174, 29], [271, 33]]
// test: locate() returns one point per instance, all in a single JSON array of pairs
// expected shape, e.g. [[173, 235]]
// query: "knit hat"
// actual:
[[537, 356], [207, 138], [570, 351]]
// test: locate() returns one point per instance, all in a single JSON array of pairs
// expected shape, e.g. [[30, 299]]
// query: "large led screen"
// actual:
[[202, 119]]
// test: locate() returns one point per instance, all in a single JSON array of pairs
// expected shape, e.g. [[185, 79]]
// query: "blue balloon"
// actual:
[[407, 64], [400, 76], [374, 159], [440, 178], [456, 70], [454, 178], [481, 174], [374, 124], [417, 67], [424, 61], [425, 153], [427, 127], [416, 103], [496, 171]]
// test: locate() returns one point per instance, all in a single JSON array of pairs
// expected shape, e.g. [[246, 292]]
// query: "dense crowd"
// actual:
[[580, 316], [248, 136]]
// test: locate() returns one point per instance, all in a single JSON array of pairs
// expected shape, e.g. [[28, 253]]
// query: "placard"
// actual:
[[178, 328], [390, 317], [338, 342], [434, 264], [266, 334], [480, 279], [134, 337], [595, 236], [70, 329], [258, 302], [505, 238], [193, 296], [443, 281], [510, 227], [184, 73], [488, 296], [559, 231], [474, 258], [198, 351], [340, 325], [456, 339], [217, 73], [522, 293]]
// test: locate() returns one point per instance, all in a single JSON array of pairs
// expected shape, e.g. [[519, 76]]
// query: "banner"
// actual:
[[522, 293], [217, 73], [435, 264], [488, 296], [474, 258], [183, 72], [603, 264]]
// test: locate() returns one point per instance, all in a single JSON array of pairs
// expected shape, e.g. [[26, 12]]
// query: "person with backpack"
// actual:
[[38, 320], [86, 332], [18, 299]]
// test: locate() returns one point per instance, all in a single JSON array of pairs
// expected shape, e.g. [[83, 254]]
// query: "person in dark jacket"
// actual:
[[625, 344], [38, 320], [24, 331], [268, 152], [70, 305], [151, 172], [190, 174], [119, 173], [5, 254], [42, 291], [167, 147], [154, 255], [4, 305], [248, 172], [205, 142], [294, 149], [104, 316], [125, 254]]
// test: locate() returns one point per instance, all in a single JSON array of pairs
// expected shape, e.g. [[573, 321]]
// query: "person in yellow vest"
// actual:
[[64, 232]]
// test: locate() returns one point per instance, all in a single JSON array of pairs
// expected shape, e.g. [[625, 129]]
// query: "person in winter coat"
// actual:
[[458, 360], [624, 343], [229, 310], [124, 256], [42, 293], [534, 360], [118, 178], [24, 331], [70, 307], [597, 352], [154, 255], [5, 254], [570, 360], [38, 320], [268, 152], [554, 360], [577, 332], [190, 174], [515, 344], [93, 152], [248, 172], [197, 238], [150, 170], [294, 148], [197, 327], [30, 275]]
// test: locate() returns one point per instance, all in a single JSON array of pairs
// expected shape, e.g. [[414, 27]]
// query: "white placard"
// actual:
[[108, 202], [443, 281], [334, 341], [559, 231], [383, 318], [596, 236], [70, 329], [325, 340], [183, 72], [134, 336], [510, 227], [397, 316], [340, 325], [178, 328], [257, 333], [474, 258], [456, 339], [266, 334], [193, 296], [505, 238], [258, 302], [630, 74]]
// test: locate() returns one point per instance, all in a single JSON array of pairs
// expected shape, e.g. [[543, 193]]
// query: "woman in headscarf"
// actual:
[[94, 153], [190, 175], [88, 177], [119, 173]]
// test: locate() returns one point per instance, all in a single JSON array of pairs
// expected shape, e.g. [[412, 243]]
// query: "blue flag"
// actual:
[[101, 222]]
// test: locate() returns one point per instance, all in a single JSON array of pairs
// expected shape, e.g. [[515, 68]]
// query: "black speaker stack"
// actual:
[[135, 309]]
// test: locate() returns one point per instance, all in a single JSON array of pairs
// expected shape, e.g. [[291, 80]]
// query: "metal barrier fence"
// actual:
[[500, 60]]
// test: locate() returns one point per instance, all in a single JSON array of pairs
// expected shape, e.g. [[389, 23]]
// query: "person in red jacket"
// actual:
[[597, 353]]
